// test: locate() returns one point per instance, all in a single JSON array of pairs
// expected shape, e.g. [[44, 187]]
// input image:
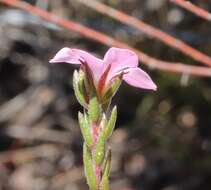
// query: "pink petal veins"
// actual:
[[138, 78]]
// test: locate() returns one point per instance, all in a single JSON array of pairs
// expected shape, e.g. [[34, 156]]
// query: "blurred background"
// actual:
[[162, 139]]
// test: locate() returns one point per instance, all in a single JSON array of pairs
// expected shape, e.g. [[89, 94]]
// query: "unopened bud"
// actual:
[[79, 88]]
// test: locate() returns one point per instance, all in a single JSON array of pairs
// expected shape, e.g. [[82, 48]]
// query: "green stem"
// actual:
[[95, 135], [96, 130]]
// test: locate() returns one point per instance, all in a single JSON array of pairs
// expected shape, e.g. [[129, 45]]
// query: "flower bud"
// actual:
[[79, 88]]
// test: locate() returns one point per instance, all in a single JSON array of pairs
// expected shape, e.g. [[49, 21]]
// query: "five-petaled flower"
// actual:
[[117, 63]]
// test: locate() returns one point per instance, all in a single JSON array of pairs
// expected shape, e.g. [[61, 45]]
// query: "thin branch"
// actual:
[[149, 30], [109, 41], [193, 8]]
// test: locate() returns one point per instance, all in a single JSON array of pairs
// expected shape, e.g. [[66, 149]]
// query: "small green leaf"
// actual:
[[112, 90], [79, 89], [104, 185], [109, 93], [105, 105], [89, 169], [94, 109], [111, 124], [107, 164], [103, 122], [85, 128], [100, 150]]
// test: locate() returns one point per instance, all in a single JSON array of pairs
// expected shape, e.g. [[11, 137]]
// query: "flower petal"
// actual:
[[138, 78], [77, 56], [66, 55], [119, 59]]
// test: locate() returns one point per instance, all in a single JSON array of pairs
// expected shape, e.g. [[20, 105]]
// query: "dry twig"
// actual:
[[107, 40], [149, 30], [193, 8]]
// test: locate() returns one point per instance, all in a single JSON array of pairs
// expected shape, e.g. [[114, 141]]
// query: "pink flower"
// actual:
[[117, 62]]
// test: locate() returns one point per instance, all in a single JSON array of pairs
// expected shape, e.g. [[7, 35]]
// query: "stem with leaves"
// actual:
[[96, 128]]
